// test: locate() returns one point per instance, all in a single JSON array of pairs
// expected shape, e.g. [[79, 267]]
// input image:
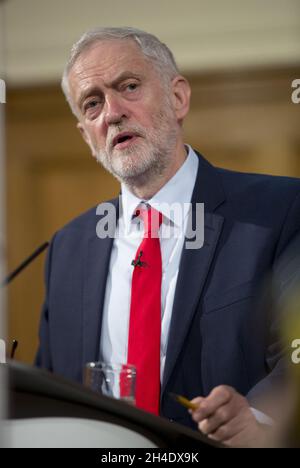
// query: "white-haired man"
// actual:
[[185, 317]]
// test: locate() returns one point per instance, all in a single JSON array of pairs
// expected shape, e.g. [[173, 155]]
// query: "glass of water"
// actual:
[[111, 379]]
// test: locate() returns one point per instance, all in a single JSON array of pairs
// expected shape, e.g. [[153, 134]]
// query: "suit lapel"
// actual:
[[194, 264], [96, 268]]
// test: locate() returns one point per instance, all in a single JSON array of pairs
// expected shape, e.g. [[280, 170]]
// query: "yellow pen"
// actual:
[[184, 401]]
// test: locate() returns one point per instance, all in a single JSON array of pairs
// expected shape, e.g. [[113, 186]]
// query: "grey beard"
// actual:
[[155, 161], [155, 169]]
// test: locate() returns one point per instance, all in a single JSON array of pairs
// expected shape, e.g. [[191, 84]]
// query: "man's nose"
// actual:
[[115, 110]]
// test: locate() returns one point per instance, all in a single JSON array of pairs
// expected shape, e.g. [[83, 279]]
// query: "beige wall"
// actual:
[[203, 34]]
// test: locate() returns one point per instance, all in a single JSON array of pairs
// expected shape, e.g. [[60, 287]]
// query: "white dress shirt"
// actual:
[[116, 313]]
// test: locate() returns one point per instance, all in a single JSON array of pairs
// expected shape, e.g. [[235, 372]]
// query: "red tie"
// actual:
[[145, 314]]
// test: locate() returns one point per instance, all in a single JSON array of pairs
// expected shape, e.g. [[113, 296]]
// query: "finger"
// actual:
[[225, 433], [232, 428], [222, 416], [197, 400], [218, 397]]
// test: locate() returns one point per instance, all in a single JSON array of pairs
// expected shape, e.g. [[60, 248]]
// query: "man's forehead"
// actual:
[[107, 54], [106, 61]]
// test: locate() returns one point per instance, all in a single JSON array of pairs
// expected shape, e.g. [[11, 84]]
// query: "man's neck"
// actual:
[[147, 187]]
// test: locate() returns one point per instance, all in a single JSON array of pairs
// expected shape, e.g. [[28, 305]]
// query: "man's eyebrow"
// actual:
[[93, 91], [125, 76]]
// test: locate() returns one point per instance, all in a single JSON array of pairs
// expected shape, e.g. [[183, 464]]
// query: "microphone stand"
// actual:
[[25, 263], [10, 278]]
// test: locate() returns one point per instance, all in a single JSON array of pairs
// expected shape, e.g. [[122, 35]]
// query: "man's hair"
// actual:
[[151, 47]]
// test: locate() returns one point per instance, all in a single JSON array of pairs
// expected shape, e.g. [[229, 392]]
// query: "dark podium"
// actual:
[[48, 411]]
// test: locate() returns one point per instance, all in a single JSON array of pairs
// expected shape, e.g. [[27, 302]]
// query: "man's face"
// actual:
[[126, 113]]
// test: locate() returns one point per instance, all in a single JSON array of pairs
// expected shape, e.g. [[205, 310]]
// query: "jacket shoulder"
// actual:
[[258, 185]]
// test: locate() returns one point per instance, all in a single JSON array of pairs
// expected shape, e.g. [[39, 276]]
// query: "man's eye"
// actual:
[[91, 104], [132, 86]]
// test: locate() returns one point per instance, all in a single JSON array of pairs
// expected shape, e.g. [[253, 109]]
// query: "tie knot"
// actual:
[[152, 220]]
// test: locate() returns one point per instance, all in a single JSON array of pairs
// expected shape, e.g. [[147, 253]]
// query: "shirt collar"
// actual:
[[177, 192]]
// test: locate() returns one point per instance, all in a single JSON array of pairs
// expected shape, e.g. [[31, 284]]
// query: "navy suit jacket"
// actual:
[[218, 334]]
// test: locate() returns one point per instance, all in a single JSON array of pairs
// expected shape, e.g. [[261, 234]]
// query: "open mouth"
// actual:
[[123, 139]]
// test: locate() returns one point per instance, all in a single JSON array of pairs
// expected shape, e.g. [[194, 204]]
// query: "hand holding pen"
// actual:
[[184, 401]]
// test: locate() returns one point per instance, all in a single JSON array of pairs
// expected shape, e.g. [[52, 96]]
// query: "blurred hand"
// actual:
[[225, 416]]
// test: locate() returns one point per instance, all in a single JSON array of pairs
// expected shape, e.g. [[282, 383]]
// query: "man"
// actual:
[[130, 101]]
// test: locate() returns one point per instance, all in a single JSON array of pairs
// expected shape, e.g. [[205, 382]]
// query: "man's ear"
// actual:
[[86, 137], [181, 93]]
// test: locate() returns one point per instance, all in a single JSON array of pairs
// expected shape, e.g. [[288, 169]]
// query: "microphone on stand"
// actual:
[[13, 348], [25, 264], [8, 280]]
